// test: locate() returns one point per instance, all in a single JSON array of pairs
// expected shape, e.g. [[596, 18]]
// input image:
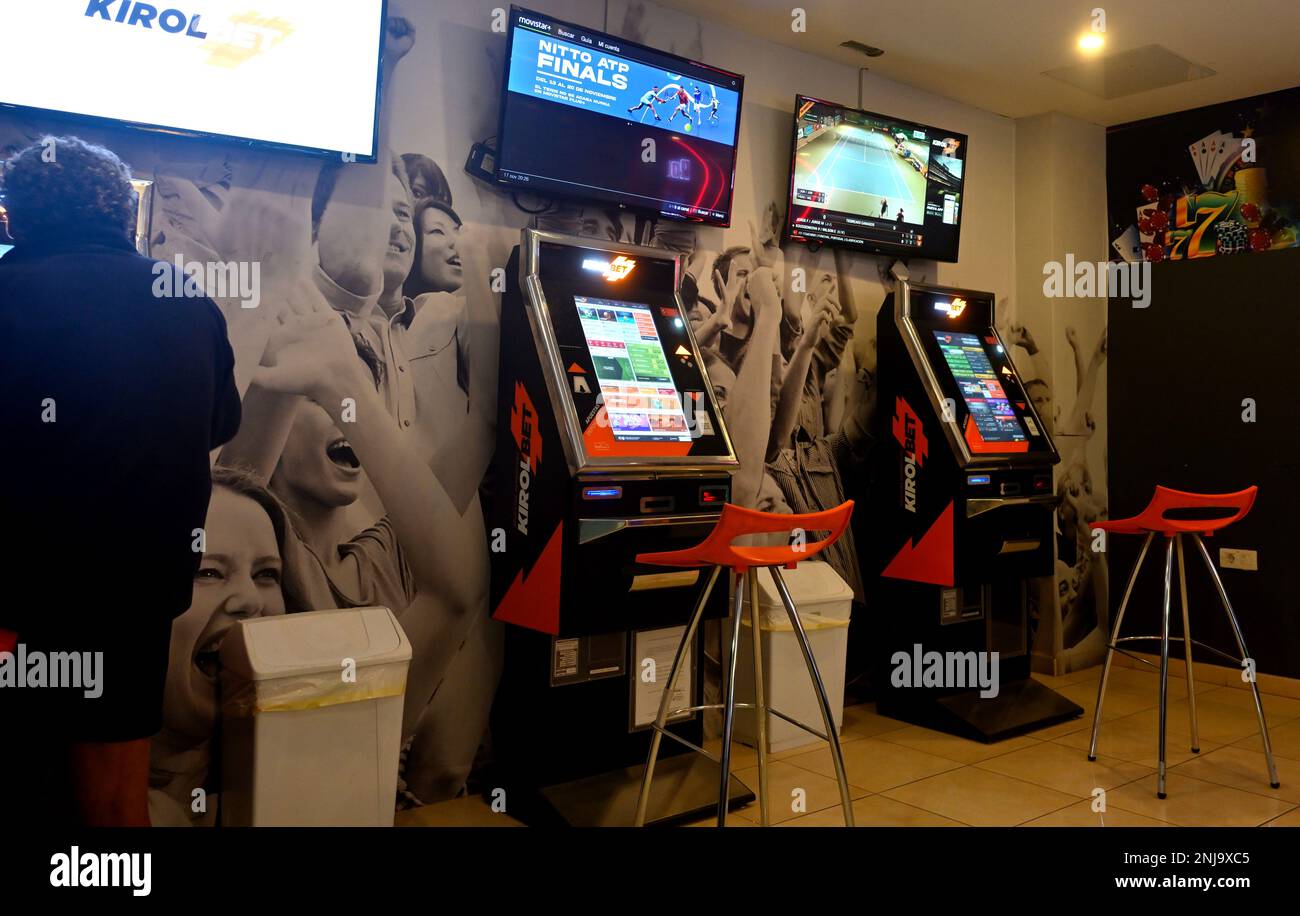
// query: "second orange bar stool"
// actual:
[[1174, 514]]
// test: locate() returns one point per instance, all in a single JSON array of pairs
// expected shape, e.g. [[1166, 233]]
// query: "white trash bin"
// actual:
[[824, 602], [307, 737]]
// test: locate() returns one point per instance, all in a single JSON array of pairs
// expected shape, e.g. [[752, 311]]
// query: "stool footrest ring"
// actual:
[[688, 743], [795, 722], [775, 712], [1177, 639]]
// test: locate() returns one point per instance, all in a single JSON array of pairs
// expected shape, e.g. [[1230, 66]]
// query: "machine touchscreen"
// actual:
[[631, 367], [990, 409]]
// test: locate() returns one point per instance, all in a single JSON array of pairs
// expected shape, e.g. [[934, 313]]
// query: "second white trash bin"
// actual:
[[312, 719], [824, 602]]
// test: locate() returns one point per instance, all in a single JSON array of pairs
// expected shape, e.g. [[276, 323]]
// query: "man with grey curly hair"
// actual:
[[111, 399], [63, 188]]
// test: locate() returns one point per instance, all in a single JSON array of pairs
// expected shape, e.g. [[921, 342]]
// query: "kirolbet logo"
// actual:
[[146, 16], [523, 426], [911, 438]]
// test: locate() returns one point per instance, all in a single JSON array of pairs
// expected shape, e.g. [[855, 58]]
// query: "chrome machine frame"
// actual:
[[539, 319], [933, 390]]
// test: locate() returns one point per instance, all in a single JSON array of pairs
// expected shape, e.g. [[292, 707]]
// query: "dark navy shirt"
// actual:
[[111, 399]]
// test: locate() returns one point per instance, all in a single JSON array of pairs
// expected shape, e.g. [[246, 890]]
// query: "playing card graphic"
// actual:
[[1225, 153], [1129, 245], [1207, 155]]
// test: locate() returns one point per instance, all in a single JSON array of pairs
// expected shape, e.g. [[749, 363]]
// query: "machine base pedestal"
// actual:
[[1020, 707], [685, 787]]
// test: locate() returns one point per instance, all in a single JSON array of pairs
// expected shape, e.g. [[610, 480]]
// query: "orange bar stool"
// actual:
[[718, 551], [1156, 519]]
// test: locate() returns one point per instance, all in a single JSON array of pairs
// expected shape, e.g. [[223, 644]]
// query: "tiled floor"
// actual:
[[902, 775]]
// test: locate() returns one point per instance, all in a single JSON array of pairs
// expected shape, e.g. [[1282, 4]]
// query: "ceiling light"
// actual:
[[1091, 41]]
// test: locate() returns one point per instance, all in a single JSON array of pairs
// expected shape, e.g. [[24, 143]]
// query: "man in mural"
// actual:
[[807, 457], [587, 221], [96, 364]]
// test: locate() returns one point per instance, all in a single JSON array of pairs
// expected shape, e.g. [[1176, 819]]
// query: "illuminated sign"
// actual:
[[951, 309], [613, 270]]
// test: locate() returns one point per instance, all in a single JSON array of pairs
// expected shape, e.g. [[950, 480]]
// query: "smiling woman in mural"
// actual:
[[246, 571], [437, 267]]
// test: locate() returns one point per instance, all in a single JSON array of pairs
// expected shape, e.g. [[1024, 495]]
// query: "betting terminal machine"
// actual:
[[962, 519], [610, 444]]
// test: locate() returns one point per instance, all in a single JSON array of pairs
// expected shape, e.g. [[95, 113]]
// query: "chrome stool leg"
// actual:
[[729, 707], [1110, 647], [760, 707], [1245, 654], [828, 716], [665, 702], [1164, 666], [1187, 645]]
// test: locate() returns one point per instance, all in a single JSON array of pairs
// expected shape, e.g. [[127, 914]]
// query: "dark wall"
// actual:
[[1218, 330]]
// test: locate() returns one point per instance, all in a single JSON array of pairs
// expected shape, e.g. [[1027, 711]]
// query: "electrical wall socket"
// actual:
[[1237, 558]]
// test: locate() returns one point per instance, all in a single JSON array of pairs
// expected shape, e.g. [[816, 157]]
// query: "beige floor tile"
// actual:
[[1217, 723], [783, 778], [1278, 686], [1144, 678], [1290, 819], [1134, 739], [1081, 814], [1207, 673], [880, 811], [1065, 769], [827, 817], [983, 799], [1141, 678], [1196, 803], [860, 721], [1068, 727], [1244, 768], [875, 811], [1202, 672], [1056, 681], [796, 751], [742, 755], [470, 811], [737, 818], [1120, 700], [864, 722], [1285, 740], [873, 764], [962, 750], [1277, 710]]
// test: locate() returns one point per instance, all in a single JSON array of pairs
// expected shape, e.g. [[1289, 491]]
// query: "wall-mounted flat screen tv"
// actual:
[[875, 183], [579, 106], [296, 74]]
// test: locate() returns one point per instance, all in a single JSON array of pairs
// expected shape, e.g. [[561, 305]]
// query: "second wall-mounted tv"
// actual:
[[874, 183], [579, 106]]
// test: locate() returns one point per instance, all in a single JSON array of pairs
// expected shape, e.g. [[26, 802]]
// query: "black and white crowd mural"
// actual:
[[376, 294]]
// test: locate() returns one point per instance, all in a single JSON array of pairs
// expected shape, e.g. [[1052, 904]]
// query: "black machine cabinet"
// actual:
[[609, 444], [962, 517]]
